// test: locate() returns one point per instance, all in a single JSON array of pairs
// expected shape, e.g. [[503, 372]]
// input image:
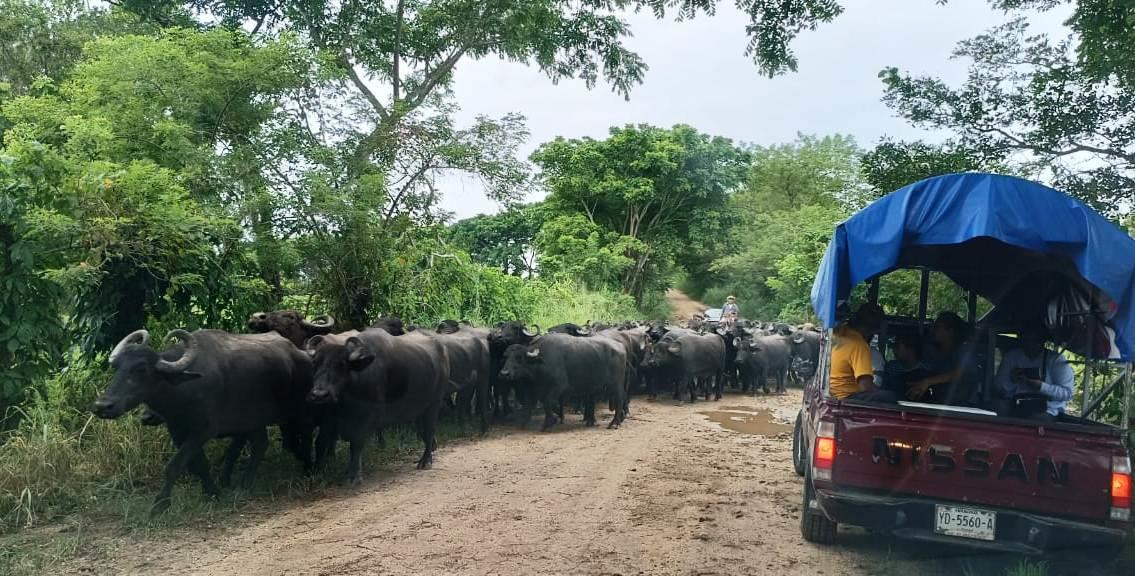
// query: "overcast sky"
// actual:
[[700, 76]]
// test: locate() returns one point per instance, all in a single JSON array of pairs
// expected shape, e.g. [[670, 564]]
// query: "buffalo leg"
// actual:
[[232, 454], [355, 465], [589, 410], [187, 450], [325, 443], [259, 440], [482, 399], [200, 468], [719, 388], [427, 424]]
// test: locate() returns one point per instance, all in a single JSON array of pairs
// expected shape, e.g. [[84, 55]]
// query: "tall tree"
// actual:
[[892, 165], [652, 185], [505, 241], [795, 195], [1031, 100]]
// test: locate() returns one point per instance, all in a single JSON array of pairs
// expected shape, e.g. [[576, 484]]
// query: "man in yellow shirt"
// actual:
[[852, 374]]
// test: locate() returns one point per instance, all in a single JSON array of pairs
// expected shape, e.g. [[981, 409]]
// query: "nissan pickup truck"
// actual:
[[970, 471]]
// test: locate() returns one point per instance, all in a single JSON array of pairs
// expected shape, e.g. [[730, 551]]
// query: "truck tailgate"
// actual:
[[1036, 467]]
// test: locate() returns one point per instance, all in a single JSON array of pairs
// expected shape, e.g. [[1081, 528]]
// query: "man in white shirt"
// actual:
[[1031, 368]]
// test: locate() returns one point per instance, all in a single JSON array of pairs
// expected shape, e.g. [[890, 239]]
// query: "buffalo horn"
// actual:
[[187, 356]]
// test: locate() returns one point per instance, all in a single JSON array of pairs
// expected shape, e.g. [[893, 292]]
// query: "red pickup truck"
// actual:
[[968, 473]]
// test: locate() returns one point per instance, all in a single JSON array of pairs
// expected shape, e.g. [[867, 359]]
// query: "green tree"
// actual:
[[892, 165], [654, 187], [505, 241], [1030, 99], [129, 210], [795, 195]]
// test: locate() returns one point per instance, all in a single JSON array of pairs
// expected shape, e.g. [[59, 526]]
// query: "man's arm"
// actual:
[[863, 368], [1004, 378], [1063, 384]]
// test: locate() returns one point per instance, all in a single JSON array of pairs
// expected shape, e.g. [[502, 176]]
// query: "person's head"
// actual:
[[908, 348], [949, 330], [867, 319], [1032, 340], [731, 300]]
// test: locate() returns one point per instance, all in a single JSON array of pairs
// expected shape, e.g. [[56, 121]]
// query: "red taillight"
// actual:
[[823, 454], [1121, 488]]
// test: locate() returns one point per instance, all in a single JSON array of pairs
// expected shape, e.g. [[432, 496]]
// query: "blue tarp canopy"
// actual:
[[1012, 241]]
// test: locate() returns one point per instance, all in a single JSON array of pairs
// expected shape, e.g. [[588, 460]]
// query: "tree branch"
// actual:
[[434, 78], [373, 100], [396, 75]]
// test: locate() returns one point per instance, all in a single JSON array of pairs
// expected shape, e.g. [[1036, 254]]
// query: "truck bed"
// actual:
[[1055, 469]]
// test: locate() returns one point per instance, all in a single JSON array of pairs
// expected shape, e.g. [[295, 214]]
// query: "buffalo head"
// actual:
[[334, 359], [140, 372], [291, 325]]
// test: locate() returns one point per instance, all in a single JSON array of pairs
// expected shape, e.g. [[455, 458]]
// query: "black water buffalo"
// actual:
[[805, 345], [634, 342], [212, 384], [560, 365], [503, 335], [291, 325], [728, 338], [391, 324], [571, 329], [470, 365], [693, 358], [759, 357], [377, 379]]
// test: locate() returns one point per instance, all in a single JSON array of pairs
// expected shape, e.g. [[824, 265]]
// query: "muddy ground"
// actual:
[[680, 489]]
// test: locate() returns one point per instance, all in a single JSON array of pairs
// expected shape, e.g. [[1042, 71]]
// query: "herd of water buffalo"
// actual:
[[319, 386]]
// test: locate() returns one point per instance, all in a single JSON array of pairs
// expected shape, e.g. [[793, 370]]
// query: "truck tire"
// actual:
[[799, 460], [814, 526]]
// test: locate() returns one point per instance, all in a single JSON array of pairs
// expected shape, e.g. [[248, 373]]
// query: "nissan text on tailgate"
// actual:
[[992, 411]]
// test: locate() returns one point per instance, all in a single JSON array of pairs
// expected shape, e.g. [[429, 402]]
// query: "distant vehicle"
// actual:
[[712, 316], [962, 473]]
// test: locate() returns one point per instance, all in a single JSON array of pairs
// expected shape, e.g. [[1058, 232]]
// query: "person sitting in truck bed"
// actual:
[[906, 367], [1031, 368], [852, 376], [950, 364]]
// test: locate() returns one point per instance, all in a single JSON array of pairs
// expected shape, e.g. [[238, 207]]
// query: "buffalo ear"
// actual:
[[359, 356], [675, 348], [183, 376], [736, 342]]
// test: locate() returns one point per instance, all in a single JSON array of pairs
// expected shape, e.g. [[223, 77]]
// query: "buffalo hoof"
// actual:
[[354, 481], [613, 426], [425, 464], [160, 506]]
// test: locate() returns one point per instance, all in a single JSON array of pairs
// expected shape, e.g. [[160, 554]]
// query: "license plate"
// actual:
[[965, 522]]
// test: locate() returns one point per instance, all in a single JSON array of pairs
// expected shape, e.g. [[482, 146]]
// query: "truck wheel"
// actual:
[[814, 526], [799, 461]]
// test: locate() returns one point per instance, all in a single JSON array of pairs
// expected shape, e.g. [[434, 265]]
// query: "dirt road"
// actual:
[[683, 306], [672, 492], [680, 489]]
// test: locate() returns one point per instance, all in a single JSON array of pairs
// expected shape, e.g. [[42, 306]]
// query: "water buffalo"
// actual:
[[634, 342], [560, 365], [212, 384], [291, 325], [571, 329], [391, 324], [377, 379], [503, 335], [691, 357], [759, 357], [470, 365], [805, 345]]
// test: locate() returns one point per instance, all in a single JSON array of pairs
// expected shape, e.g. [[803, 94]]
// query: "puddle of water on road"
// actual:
[[757, 422]]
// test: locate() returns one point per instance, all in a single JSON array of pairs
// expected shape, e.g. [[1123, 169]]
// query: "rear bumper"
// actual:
[[913, 518]]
